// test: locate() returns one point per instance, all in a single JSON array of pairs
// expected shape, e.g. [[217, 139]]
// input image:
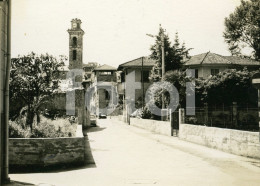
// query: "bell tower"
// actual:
[[75, 44]]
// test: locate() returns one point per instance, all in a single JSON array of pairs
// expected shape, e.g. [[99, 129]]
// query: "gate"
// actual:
[[175, 123]]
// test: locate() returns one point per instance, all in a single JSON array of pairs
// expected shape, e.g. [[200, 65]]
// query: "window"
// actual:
[[214, 72], [107, 96], [74, 56], [145, 76], [122, 77], [106, 73], [74, 41], [196, 73]]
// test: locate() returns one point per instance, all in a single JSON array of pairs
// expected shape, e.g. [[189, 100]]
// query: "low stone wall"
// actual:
[[159, 127], [45, 151], [237, 142]]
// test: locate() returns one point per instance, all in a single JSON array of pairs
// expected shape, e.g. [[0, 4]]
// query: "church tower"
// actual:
[[75, 44]]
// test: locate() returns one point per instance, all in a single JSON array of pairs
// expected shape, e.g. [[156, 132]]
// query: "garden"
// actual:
[[33, 82]]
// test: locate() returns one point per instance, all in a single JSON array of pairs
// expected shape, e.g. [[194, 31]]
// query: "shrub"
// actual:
[[18, 131], [191, 120], [47, 128], [146, 114]]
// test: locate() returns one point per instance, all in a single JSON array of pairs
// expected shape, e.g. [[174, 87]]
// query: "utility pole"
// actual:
[[163, 59], [163, 53], [163, 62], [142, 77]]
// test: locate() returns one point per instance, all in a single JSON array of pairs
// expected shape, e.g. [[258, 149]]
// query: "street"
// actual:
[[126, 155]]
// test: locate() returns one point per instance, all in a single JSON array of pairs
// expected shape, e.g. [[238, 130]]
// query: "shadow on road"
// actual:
[[50, 169], [96, 129], [18, 183]]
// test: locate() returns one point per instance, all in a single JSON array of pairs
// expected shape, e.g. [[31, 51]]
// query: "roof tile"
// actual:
[[212, 58]]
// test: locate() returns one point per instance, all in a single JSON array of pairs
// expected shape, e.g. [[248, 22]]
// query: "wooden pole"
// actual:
[[143, 82], [163, 68]]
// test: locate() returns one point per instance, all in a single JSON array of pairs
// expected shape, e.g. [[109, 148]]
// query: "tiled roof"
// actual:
[[104, 67], [147, 62], [241, 61], [211, 58]]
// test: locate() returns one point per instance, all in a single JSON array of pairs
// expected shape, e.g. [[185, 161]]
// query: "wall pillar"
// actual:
[[181, 116], [234, 114], [206, 111]]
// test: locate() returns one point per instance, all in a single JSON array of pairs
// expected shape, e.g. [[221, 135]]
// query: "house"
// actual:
[[207, 64], [104, 89], [88, 69], [142, 67], [61, 73]]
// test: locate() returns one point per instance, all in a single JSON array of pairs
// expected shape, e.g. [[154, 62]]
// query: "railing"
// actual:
[[232, 117]]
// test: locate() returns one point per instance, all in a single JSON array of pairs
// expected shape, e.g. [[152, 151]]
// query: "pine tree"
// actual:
[[174, 55]]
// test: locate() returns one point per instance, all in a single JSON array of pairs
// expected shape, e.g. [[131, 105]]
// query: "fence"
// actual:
[[232, 117]]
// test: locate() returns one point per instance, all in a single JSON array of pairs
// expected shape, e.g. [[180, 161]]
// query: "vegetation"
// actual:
[[175, 54], [47, 128], [243, 29], [31, 81], [230, 86], [226, 87]]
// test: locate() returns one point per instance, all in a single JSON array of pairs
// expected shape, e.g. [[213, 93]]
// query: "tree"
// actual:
[[242, 29], [174, 54], [231, 86], [178, 79], [32, 80]]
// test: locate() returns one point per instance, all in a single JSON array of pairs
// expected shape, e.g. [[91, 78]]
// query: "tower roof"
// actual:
[[76, 20]]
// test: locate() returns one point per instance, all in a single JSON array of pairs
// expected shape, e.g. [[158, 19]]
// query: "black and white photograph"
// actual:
[[130, 92]]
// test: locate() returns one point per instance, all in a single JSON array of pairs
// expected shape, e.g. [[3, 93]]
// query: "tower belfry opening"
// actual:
[[75, 41]]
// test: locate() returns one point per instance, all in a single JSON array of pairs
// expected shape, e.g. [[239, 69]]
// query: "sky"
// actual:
[[115, 30]]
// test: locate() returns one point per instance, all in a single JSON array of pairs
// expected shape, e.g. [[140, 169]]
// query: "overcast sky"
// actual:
[[115, 30]]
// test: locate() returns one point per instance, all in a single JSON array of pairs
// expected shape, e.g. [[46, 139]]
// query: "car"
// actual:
[[93, 120], [102, 116]]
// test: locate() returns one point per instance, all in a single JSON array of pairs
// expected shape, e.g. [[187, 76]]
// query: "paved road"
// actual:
[[126, 155]]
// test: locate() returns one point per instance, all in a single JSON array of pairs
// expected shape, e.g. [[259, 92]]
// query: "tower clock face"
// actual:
[[74, 25]]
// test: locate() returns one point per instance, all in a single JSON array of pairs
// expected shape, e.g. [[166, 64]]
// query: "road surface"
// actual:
[[126, 155]]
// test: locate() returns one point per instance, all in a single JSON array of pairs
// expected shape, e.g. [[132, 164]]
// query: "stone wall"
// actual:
[[58, 100], [159, 127], [237, 142], [45, 151]]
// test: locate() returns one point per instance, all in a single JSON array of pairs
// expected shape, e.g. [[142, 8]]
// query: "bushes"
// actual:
[[17, 131], [47, 128]]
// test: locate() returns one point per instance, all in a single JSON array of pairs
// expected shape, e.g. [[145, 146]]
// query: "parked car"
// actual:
[[102, 116], [93, 120]]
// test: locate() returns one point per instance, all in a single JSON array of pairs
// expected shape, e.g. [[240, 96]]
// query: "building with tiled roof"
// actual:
[[88, 71], [207, 64], [141, 67], [104, 84], [139, 62], [105, 68]]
